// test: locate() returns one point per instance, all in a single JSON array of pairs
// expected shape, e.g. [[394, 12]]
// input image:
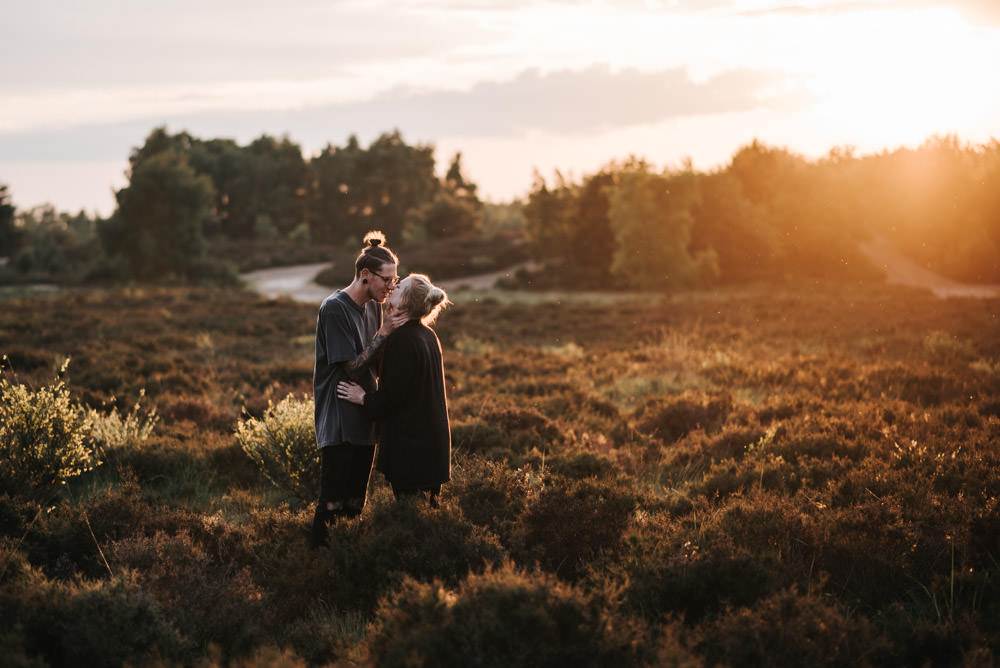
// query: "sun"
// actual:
[[905, 75]]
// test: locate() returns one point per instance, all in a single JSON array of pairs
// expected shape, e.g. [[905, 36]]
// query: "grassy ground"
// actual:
[[763, 476]]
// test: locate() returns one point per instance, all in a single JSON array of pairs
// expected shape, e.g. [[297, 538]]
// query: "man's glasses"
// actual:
[[389, 280]]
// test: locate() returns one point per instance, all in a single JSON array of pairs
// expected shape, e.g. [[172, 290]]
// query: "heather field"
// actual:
[[772, 475]]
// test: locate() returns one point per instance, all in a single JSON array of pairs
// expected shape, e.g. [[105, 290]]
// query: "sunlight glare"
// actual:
[[906, 76]]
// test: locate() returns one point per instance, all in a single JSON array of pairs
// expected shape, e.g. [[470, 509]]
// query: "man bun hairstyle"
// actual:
[[374, 254], [424, 300]]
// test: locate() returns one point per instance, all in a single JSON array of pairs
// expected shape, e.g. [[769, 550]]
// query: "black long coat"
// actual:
[[411, 409]]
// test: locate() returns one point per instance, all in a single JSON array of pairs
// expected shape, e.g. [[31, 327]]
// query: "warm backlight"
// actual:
[[905, 76]]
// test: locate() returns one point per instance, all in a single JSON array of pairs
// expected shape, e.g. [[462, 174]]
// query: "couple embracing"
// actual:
[[379, 378]]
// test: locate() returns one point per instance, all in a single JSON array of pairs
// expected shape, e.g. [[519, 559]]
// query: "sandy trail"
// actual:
[[297, 282], [901, 270], [485, 281]]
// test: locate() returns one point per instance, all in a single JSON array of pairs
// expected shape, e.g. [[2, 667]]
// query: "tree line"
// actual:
[[771, 214], [185, 193]]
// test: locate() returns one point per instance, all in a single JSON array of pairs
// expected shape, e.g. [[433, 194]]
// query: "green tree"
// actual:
[[814, 225], [267, 178], [502, 218], [55, 246], [939, 204], [456, 183], [651, 219], [767, 174], [454, 210], [591, 247], [158, 141], [8, 231], [225, 162], [735, 228], [394, 178], [45, 237], [354, 189], [548, 217], [333, 206], [159, 224], [278, 176], [449, 216]]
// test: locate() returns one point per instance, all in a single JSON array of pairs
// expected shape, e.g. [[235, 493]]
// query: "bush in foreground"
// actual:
[[82, 623], [405, 539], [43, 438], [505, 618], [283, 445]]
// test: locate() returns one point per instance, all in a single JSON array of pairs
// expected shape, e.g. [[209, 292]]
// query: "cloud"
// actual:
[[89, 44], [568, 103], [977, 11], [829, 7], [573, 102]]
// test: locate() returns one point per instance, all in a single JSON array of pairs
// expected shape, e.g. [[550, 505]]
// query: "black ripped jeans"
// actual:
[[343, 489]]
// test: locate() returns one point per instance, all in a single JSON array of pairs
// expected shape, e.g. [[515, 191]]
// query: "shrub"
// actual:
[[406, 539], [672, 418], [584, 465], [502, 618], [113, 431], [43, 438], [923, 387], [501, 432], [573, 522], [791, 629], [198, 410], [283, 445], [210, 598], [89, 623], [491, 494], [212, 271], [690, 567]]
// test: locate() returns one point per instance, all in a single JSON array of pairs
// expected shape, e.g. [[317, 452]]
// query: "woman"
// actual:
[[410, 405]]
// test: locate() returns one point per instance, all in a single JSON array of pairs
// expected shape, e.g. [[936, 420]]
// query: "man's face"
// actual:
[[382, 282]]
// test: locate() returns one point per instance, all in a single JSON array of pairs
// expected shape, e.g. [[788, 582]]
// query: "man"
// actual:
[[350, 332]]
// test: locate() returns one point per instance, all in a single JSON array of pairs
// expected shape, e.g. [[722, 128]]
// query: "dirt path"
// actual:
[[901, 270], [297, 282], [485, 281]]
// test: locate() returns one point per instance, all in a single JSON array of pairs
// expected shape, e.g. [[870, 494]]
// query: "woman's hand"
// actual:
[[393, 320], [351, 392]]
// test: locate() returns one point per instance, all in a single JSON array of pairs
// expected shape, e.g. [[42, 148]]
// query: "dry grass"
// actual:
[[772, 475]]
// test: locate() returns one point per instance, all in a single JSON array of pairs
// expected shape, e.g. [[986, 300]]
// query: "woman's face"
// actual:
[[395, 300]]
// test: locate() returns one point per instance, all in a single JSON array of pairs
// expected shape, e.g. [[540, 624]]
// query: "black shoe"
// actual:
[[319, 533]]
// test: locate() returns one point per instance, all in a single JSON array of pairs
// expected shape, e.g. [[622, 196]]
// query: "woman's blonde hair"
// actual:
[[422, 299]]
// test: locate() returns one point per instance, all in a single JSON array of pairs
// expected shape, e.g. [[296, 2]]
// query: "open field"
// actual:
[[757, 476]]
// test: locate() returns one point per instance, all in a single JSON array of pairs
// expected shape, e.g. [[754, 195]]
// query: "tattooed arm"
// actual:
[[355, 368]]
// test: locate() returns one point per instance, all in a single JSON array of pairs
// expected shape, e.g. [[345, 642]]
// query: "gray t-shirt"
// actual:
[[343, 330]]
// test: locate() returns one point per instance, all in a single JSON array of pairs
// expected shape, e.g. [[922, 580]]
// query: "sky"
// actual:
[[518, 87]]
